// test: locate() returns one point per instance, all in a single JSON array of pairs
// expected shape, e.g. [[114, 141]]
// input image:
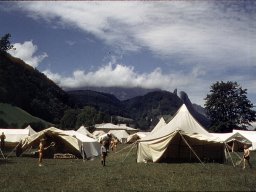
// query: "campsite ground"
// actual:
[[122, 173]]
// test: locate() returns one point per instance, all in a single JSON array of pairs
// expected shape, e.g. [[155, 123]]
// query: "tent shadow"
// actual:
[[6, 161]]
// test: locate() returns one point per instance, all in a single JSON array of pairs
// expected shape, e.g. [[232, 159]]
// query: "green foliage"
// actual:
[[88, 116], [106, 103], [37, 126], [3, 124], [25, 87], [228, 107], [5, 43], [15, 117], [69, 119]]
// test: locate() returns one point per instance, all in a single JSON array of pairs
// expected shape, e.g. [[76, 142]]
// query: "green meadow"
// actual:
[[122, 173], [16, 116]]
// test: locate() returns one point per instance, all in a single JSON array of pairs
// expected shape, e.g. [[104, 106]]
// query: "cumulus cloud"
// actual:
[[26, 51], [119, 75]]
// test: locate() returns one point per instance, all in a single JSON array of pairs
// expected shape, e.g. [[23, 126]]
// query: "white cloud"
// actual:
[[70, 43], [122, 76], [208, 38], [26, 51], [200, 31]]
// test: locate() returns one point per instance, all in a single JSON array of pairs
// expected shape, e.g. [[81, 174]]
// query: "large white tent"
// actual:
[[159, 125], [182, 139], [90, 146], [65, 142], [14, 136]]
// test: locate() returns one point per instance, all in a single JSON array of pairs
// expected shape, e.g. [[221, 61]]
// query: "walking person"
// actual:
[[247, 156], [104, 153]]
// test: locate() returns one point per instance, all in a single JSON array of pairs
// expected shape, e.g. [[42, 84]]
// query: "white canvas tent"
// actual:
[[121, 135], [14, 136], [136, 136], [128, 129], [250, 135], [234, 141], [106, 127], [90, 146], [159, 125], [97, 134], [31, 130], [64, 142], [182, 139], [84, 131]]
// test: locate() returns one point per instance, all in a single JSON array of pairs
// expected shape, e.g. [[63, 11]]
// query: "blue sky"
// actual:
[[188, 45]]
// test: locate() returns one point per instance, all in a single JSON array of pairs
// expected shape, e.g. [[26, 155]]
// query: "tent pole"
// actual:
[[12, 151], [129, 152], [127, 147], [191, 149], [2, 153], [229, 154]]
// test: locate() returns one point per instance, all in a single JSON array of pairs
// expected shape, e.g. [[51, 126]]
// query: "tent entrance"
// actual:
[[178, 151]]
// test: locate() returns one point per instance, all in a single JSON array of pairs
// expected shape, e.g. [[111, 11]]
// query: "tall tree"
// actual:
[[5, 43], [228, 107], [69, 119]]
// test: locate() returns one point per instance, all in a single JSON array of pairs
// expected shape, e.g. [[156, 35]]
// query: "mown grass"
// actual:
[[122, 173]]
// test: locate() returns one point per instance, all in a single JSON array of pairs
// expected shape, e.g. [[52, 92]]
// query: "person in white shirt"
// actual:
[[103, 151]]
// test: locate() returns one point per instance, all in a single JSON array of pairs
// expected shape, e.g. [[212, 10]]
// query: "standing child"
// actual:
[[40, 151], [103, 151], [247, 156]]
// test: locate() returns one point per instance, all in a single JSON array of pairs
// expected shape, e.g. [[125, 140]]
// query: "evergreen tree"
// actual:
[[5, 43], [228, 107], [69, 119]]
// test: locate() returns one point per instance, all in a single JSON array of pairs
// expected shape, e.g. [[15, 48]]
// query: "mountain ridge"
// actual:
[[27, 88]]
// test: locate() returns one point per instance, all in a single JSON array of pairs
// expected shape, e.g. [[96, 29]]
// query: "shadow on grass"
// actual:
[[6, 161]]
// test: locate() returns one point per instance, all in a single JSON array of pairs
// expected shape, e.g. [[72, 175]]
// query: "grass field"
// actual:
[[15, 115], [122, 173]]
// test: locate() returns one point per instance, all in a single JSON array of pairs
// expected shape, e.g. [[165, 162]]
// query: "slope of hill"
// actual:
[[147, 109], [120, 93], [103, 102], [15, 117], [25, 87]]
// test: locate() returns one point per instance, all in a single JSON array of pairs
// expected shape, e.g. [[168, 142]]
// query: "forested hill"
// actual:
[[121, 93], [25, 87], [148, 109], [103, 102], [144, 110]]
